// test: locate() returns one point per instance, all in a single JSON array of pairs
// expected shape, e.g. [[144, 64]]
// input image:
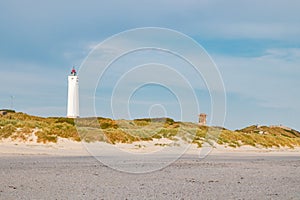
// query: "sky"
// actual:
[[255, 46]]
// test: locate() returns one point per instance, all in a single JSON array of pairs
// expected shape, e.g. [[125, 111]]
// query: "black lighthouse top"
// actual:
[[73, 72]]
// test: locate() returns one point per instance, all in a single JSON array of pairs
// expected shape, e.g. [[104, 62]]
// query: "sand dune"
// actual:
[[65, 147]]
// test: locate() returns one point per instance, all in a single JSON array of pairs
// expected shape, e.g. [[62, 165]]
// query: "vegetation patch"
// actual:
[[20, 126]]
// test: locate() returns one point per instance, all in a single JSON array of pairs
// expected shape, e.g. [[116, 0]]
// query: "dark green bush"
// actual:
[[66, 120]]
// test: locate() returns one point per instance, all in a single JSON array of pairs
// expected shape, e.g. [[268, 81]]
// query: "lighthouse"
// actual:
[[73, 95]]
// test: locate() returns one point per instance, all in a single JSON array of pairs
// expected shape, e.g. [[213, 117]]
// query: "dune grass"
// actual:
[[20, 126]]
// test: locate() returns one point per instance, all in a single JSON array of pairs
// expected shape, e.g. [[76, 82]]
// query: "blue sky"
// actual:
[[255, 45]]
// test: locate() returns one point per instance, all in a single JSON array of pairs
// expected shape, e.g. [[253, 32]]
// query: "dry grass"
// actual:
[[20, 126]]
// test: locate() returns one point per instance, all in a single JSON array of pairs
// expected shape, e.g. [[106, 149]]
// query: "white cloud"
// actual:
[[271, 78], [286, 54]]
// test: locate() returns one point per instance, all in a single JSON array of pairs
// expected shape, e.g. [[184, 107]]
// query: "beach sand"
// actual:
[[67, 171]]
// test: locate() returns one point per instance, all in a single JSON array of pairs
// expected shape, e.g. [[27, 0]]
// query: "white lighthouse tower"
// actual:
[[73, 95]]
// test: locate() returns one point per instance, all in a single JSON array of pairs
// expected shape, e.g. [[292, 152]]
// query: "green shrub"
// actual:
[[8, 110]]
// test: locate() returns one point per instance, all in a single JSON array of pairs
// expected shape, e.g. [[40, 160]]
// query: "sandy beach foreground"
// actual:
[[231, 174]]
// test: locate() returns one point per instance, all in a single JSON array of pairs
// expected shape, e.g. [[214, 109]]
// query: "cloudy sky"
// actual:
[[254, 44]]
